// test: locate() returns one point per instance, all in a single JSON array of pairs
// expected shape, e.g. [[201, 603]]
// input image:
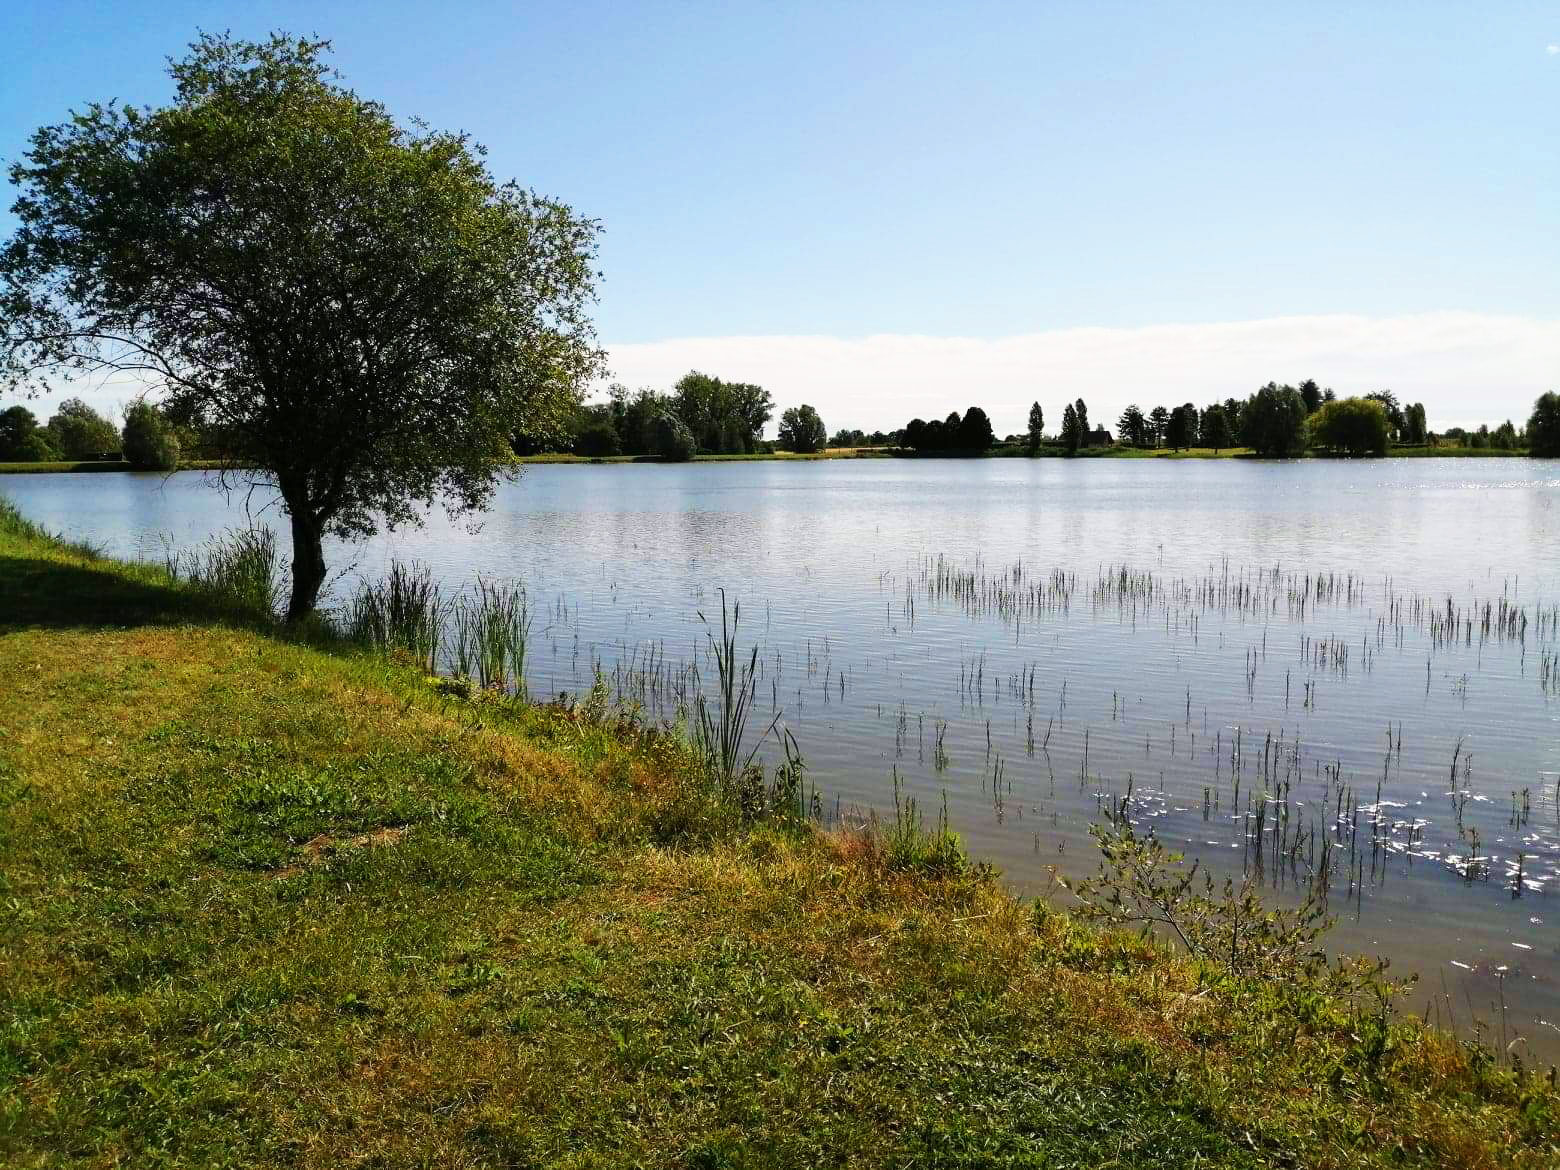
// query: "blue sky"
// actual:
[[817, 175]]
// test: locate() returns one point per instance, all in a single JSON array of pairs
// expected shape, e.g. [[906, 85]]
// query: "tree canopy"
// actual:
[[802, 431], [1036, 430], [1351, 426], [725, 418], [1181, 431], [1214, 427], [1272, 422], [22, 439], [78, 432], [356, 307], [1543, 429], [149, 443]]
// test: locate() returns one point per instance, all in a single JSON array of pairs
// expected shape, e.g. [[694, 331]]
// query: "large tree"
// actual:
[[1072, 433], [1543, 429], [726, 418], [356, 307], [1351, 426], [975, 433], [802, 431], [1133, 427], [1272, 422], [1214, 428], [1181, 431], [1158, 424], [1311, 395], [22, 439], [1036, 427], [1389, 403], [149, 444], [78, 432]]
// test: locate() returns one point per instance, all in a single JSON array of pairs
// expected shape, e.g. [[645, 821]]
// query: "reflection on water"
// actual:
[[1346, 672]]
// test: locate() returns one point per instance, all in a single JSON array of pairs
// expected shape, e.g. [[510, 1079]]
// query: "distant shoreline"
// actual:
[[1002, 452]]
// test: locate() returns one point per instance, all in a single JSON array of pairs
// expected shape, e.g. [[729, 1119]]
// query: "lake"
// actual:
[[1349, 668]]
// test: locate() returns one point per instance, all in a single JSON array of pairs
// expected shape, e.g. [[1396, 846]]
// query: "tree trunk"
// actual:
[[308, 564]]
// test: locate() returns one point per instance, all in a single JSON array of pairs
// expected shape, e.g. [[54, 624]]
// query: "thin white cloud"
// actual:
[[1466, 368], [1552, 50]]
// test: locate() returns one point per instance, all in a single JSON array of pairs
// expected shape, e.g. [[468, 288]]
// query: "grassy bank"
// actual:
[[271, 903]]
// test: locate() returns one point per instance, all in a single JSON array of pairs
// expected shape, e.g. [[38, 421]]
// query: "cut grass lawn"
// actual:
[[268, 904]]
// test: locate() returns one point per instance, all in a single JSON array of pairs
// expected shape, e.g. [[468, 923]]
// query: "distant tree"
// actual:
[[1082, 412], [1132, 427], [848, 437], [802, 431], [1272, 422], [364, 310], [1232, 407], [22, 440], [597, 440], [1415, 432], [149, 443], [914, 435], [1543, 429], [670, 439], [1351, 426], [1036, 427], [1311, 395], [1072, 432], [975, 431], [1504, 437], [726, 418], [1182, 428], [78, 432], [1214, 428], [1389, 403], [1158, 424]]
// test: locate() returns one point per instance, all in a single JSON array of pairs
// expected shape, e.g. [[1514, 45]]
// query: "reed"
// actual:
[[490, 631], [238, 572], [402, 613], [721, 734]]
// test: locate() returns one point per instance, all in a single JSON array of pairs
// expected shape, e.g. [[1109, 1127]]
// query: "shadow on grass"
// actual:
[[41, 592]]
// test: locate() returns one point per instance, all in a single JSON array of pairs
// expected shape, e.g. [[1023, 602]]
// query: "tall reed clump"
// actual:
[[490, 629], [721, 734], [403, 613], [238, 572]]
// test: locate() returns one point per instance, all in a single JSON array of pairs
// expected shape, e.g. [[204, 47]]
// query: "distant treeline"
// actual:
[[76, 432], [703, 414], [1279, 421]]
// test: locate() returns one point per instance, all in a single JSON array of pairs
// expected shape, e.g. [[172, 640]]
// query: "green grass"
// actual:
[[263, 903]]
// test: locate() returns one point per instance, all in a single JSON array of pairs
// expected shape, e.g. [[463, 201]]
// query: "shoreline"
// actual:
[[104, 466]]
